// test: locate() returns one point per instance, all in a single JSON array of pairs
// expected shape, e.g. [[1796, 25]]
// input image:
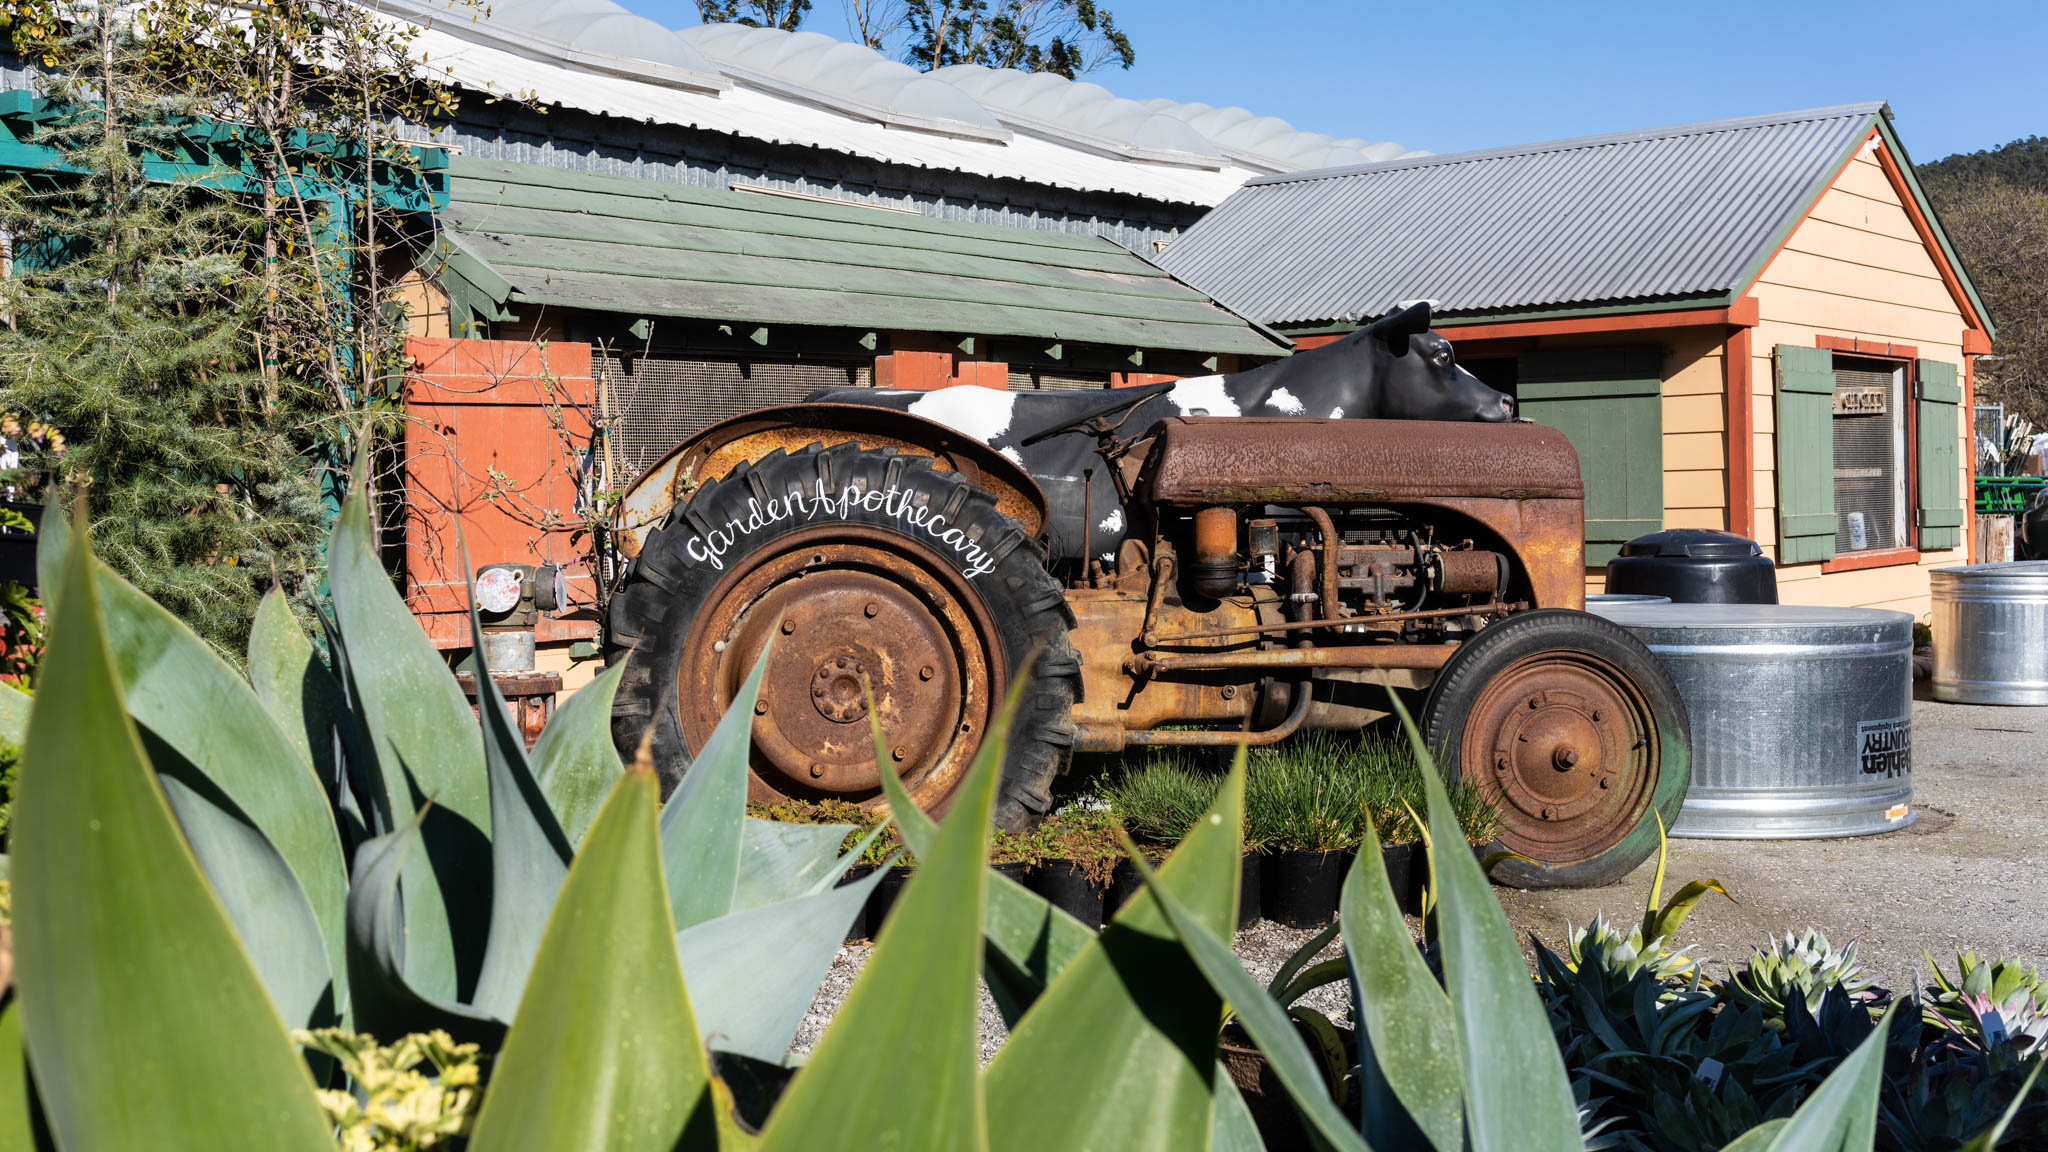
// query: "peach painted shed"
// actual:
[[1750, 324]]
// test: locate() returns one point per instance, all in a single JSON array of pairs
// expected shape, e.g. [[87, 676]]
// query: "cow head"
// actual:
[[1420, 378]]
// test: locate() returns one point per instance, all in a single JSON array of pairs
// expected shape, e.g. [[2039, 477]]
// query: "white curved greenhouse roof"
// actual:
[[804, 88]]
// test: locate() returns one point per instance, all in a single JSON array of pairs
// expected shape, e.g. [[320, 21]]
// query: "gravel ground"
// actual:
[[1970, 872]]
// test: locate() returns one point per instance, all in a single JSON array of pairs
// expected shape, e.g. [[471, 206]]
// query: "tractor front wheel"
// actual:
[[853, 571], [1575, 733]]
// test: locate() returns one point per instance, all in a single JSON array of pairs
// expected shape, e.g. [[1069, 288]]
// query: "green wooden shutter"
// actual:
[[1609, 402], [1939, 510], [1806, 454]]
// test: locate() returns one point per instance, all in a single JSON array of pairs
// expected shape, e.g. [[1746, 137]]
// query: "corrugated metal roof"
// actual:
[[806, 89], [522, 234], [754, 113], [1671, 213]]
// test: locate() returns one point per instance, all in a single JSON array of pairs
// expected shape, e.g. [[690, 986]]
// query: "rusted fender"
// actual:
[[750, 436]]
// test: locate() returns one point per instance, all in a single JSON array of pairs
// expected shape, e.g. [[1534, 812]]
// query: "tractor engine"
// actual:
[[1283, 573]]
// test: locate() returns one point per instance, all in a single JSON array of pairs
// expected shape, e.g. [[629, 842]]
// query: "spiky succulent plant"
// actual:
[[1626, 954], [1808, 963], [1988, 1001]]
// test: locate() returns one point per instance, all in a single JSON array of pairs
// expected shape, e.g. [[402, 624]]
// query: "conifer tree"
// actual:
[[130, 319]]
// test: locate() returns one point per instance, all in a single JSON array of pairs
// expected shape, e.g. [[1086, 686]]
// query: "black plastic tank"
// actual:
[[1695, 566]]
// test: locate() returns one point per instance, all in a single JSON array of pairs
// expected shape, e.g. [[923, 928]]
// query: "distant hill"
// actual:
[[2022, 162]]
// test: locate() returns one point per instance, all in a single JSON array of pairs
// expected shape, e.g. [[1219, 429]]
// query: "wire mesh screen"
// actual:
[[1989, 439], [1870, 492], [658, 401], [1026, 379]]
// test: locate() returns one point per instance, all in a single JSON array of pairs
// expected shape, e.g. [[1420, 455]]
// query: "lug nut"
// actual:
[[896, 755], [1550, 813], [870, 611], [761, 708], [1596, 715], [788, 626], [817, 770], [1535, 703], [925, 673], [1230, 691]]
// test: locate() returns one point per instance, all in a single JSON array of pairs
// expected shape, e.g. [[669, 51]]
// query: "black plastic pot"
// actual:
[[884, 896], [1065, 886], [1248, 901], [1016, 870], [858, 929], [1407, 870], [1300, 889], [1124, 883]]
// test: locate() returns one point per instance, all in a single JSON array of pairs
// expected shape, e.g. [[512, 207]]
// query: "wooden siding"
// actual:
[[1855, 267]]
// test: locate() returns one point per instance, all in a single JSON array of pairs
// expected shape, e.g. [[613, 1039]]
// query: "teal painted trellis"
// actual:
[[217, 155]]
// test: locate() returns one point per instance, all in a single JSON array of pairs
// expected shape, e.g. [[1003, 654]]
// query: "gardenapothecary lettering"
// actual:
[[898, 504]]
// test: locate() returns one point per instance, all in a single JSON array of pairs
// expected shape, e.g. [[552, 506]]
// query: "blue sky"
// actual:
[[1960, 76]]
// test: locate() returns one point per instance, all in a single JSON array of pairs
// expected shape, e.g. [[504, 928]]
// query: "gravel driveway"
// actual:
[[1970, 872]]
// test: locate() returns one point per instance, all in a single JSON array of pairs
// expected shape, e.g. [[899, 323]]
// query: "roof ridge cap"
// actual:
[[1574, 143]]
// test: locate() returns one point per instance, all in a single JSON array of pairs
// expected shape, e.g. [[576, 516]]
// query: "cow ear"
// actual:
[[1397, 327]]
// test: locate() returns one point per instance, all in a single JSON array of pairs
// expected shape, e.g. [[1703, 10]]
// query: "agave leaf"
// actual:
[[1404, 1019], [294, 685], [1232, 1129], [1149, 1015], [1665, 923], [529, 854], [422, 745], [17, 1094], [193, 704], [53, 544], [1759, 1138], [1841, 1115], [1517, 1096], [574, 759], [145, 1022], [781, 861], [1029, 941], [385, 1002], [1311, 978], [912, 1017], [755, 972], [704, 820], [1299, 960], [604, 1052], [1267, 1023], [257, 890], [14, 706]]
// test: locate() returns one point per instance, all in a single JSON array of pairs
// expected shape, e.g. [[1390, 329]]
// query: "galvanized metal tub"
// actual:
[[1600, 601], [1802, 717], [1991, 633]]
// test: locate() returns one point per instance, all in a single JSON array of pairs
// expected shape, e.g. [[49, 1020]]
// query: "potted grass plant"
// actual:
[[1308, 801], [1157, 800]]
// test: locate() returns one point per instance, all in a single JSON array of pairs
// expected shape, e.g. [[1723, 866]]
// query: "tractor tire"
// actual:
[[848, 566], [1575, 732]]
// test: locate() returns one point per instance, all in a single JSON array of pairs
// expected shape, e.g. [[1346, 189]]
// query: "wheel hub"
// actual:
[[839, 690], [1566, 737], [846, 615]]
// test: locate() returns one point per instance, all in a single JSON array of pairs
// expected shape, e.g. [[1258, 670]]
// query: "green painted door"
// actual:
[[1609, 403]]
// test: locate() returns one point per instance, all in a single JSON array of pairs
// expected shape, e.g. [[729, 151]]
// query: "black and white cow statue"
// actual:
[[1392, 369]]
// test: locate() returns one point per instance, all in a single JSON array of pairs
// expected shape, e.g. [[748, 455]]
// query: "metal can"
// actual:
[[1802, 717], [1991, 633]]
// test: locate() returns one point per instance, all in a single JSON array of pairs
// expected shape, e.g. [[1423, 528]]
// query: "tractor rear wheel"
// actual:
[[1575, 733], [848, 567]]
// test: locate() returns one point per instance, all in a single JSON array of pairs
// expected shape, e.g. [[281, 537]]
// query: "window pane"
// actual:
[[1870, 455]]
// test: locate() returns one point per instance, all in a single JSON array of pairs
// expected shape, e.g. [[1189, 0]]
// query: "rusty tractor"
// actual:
[[1276, 575]]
